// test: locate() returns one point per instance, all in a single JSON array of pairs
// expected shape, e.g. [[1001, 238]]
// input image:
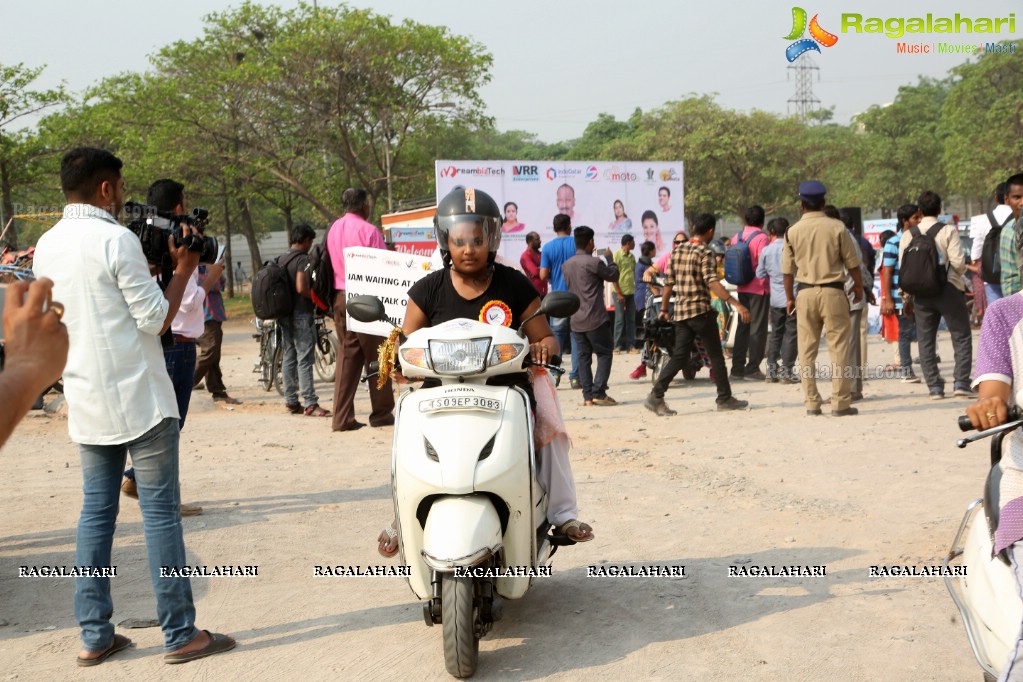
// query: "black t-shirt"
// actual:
[[295, 262], [509, 291], [436, 297]]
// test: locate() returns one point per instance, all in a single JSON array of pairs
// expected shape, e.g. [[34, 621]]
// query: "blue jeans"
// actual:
[[180, 361], [155, 455], [562, 328], [299, 345], [625, 323]]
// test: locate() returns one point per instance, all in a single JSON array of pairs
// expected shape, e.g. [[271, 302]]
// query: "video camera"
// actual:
[[142, 222]]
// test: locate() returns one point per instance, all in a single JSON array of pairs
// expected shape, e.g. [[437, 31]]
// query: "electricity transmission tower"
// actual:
[[803, 70]]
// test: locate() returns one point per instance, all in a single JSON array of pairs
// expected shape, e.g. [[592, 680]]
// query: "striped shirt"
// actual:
[[1011, 283], [890, 259]]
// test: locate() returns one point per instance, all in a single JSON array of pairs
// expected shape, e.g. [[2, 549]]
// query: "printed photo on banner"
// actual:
[[644, 199], [386, 275]]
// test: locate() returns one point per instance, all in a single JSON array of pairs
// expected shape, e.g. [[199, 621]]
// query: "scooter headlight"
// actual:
[[504, 352], [459, 357]]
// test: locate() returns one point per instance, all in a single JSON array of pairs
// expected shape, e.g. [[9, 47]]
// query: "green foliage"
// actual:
[[982, 123]]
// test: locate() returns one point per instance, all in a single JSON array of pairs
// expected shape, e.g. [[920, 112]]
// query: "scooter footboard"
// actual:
[[987, 595]]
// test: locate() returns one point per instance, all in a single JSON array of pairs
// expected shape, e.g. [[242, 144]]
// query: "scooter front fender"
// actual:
[[461, 530]]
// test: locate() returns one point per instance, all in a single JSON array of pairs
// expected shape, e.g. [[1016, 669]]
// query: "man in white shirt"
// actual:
[[980, 225], [168, 196], [949, 304], [120, 400]]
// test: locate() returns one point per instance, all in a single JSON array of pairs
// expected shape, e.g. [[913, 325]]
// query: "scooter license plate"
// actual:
[[461, 402]]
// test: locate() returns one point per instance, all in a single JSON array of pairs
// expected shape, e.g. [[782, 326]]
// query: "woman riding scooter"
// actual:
[[999, 383], [472, 285]]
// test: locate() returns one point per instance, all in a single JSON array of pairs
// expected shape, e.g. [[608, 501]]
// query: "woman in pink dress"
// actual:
[[511, 219]]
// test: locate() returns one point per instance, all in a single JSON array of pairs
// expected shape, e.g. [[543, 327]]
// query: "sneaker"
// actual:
[[963, 392], [638, 373], [910, 379], [732, 403], [605, 400], [755, 376], [574, 383], [937, 393], [790, 379], [658, 406], [130, 488], [772, 379], [847, 412]]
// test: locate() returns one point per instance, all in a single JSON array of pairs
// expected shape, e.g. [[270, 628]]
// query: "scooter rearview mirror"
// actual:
[[560, 304], [366, 308]]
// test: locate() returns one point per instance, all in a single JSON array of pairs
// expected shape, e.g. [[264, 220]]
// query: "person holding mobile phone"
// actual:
[[33, 350]]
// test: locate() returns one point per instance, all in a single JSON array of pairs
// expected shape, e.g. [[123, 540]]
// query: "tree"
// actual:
[[982, 122], [20, 151]]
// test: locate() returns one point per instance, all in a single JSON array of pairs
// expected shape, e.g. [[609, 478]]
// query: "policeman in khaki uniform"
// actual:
[[818, 251]]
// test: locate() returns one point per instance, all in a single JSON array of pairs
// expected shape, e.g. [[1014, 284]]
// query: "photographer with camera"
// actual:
[[167, 197], [120, 400], [34, 349]]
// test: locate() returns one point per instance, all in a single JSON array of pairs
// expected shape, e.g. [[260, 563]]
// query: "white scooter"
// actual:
[[471, 516], [987, 596]]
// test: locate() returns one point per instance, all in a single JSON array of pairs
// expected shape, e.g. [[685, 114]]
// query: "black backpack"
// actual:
[[321, 275], [990, 258], [919, 271], [273, 290], [739, 261]]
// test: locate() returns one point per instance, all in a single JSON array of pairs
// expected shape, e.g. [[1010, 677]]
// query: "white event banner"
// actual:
[[386, 275], [644, 199]]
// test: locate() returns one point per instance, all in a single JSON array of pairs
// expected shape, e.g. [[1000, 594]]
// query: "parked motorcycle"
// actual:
[[987, 595], [471, 516]]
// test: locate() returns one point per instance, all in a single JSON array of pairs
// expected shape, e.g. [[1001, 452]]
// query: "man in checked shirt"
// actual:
[[691, 276]]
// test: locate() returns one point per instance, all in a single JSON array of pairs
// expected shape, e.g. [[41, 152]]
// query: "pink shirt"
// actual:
[[759, 286], [350, 230]]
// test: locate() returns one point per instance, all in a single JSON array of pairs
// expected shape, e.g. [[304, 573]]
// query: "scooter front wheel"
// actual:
[[459, 615]]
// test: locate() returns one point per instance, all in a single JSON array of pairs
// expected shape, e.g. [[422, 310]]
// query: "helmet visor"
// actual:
[[462, 230]]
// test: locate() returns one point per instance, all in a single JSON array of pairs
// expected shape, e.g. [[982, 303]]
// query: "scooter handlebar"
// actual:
[[1015, 414]]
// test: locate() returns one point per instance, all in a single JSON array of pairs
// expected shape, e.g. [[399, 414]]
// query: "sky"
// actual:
[[557, 64]]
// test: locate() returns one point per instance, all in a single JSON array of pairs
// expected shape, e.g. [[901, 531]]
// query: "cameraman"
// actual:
[[35, 349], [120, 400], [168, 196]]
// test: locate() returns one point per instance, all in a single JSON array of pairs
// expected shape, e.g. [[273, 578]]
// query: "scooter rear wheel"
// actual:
[[459, 614]]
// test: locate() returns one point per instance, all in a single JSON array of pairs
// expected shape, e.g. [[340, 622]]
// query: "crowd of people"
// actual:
[[162, 329]]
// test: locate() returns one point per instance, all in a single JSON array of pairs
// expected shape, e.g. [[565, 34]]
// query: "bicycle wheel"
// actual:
[[278, 373], [325, 357], [265, 361]]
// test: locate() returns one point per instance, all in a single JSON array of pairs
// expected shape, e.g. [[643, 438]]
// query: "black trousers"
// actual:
[[782, 344], [751, 339], [705, 328]]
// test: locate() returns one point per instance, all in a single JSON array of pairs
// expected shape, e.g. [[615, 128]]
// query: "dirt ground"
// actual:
[[708, 490]]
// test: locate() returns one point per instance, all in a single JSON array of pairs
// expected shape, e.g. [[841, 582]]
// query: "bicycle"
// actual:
[[271, 354]]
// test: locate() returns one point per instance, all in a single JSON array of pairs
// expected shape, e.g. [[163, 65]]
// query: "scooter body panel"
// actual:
[[455, 470]]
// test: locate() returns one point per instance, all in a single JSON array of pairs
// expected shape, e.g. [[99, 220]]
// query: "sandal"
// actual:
[[315, 410], [120, 643], [218, 644], [388, 536], [575, 531]]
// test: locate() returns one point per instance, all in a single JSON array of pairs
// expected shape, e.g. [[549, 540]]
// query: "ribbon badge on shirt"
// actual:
[[496, 313]]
